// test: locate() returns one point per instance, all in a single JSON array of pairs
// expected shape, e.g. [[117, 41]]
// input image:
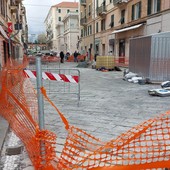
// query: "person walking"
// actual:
[[75, 56], [61, 57]]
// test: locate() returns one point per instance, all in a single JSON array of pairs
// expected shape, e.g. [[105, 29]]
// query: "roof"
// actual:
[[67, 5]]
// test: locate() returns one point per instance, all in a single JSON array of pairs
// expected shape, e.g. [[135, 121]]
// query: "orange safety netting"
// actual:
[[145, 146]]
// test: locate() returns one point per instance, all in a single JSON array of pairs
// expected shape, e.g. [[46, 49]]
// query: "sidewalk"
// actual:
[[3, 130]]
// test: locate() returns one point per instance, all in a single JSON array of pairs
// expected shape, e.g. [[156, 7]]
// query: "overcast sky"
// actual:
[[36, 11]]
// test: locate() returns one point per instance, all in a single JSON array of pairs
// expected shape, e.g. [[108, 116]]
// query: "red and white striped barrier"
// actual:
[[53, 76]]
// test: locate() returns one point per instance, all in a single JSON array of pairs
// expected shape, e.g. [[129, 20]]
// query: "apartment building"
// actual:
[[104, 22], [55, 26], [139, 18], [71, 32], [13, 29], [87, 15], [116, 21]]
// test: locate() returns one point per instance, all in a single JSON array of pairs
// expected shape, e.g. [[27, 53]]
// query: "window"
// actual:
[[112, 21], [3, 8], [89, 30], [85, 32], [104, 3], [85, 11], [122, 19], [97, 27], [154, 6], [59, 18], [136, 11], [97, 3], [59, 10], [81, 32], [89, 10], [103, 22], [68, 10]]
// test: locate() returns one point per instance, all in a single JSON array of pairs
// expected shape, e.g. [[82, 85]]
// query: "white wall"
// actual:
[[158, 24]]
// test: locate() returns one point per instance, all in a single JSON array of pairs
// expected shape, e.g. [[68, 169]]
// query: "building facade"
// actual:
[[13, 30], [71, 32], [114, 22], [55, 26]]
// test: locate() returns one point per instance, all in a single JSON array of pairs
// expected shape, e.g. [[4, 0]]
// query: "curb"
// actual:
[[4, 127]]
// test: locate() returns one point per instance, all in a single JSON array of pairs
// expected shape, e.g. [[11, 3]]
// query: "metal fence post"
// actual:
[[40, 104], [40, 96]]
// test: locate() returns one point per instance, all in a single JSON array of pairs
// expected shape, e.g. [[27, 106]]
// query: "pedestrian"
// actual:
[[67, 55], [61, 57], [95, 57], [75, 56]]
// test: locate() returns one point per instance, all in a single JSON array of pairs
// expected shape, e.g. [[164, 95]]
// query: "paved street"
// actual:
[[108, 106]]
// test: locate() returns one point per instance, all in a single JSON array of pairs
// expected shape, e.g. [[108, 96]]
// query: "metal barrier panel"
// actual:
[[149, 56], [63, 82]]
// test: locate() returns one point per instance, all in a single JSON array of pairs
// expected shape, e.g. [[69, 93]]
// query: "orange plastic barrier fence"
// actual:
[[145, 146], [80, 57], [121, 61], [32, 59]]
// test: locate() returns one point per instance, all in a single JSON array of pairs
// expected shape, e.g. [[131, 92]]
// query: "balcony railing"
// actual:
[[83, 21], [19, 1], [15, 2], [101, 10], [59, 23], [13, 8], [117, 2], [83, 2]]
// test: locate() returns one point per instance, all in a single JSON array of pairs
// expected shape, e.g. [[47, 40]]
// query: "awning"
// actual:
[[127, 29], [3, 32]]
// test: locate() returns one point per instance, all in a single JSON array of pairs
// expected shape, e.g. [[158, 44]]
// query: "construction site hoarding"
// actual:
[[149, 56]]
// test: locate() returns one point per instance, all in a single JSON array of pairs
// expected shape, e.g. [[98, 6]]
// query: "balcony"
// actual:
[[119, 2], [83, 21], [23, 12], [59, 24], [18, 1], [15, 2], [101, 11], [83, 2], [13, 8]]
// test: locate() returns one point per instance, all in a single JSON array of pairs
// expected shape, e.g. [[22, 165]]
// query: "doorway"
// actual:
[[103, 49], [122, 51]]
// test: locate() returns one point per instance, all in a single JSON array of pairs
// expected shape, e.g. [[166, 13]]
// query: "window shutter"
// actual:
[[158, 5], [149, 7], [133, 11], [97, 3], [139, 9], [112, 21]]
